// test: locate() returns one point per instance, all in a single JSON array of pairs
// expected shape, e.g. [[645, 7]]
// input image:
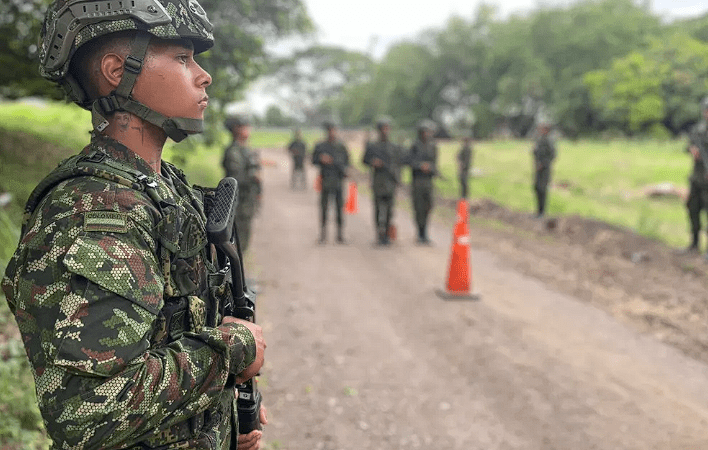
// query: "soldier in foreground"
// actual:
[[296, 148], [384, 158], [112, 284], [544, 152], [464, 164], [698, 180], [422, 158], [243, 164], [333, 159]]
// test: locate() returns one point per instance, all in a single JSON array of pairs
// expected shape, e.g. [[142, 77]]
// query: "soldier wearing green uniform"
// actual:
[[112, 285], [422, 158], [384, 158], [698, 181], [296, 148], [243, 164], [332, 156], [464, 164], [544, 152]]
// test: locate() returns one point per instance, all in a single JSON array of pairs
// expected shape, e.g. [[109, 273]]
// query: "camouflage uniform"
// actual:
[[422, 183], [118, 305], [332, 181], [464, 163], [297, 151], [383, 183], [698, 192], [544, 152], [243, 164]]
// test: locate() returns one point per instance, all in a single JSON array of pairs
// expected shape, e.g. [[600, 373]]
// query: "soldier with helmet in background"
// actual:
[[698, 180], [384, 158], [544, 152], [296, 148], [332, 156], [243, 164], [114, 285], [423, 159]]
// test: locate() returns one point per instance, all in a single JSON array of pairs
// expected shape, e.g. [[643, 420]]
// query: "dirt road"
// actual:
[[363, 355]]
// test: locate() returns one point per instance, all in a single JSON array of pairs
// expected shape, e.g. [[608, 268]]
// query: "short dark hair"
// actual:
[[85, 66]]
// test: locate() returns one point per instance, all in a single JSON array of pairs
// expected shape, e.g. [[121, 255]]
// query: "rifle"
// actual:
[[223, 234]]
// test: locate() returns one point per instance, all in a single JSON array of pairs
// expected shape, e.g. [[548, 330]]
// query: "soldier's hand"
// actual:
[[377, 162], [326, 159], [425, 167], [250, 441], [251, 371]]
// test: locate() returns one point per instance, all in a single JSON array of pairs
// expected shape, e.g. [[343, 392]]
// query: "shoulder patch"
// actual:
[[106, 221]]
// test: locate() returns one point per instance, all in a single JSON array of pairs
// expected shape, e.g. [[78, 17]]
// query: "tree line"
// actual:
[[594, 66]]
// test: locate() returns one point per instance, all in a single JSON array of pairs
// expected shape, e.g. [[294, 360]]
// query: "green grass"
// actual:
[[605, 181]]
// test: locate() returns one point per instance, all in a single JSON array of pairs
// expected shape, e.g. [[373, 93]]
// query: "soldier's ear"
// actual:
[[112, 69]]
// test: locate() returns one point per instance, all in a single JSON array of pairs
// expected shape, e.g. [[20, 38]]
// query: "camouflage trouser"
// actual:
[[422, 203], [540, 185], [383, 213], [463, 186], [243, 225], [697, 201], [325, 196]]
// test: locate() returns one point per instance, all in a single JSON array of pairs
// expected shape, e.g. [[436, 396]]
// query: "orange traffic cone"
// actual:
[[318, 183], [459, 278], [352, 206]]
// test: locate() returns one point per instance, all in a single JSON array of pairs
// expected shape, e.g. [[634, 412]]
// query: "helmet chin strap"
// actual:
[[177, 128]]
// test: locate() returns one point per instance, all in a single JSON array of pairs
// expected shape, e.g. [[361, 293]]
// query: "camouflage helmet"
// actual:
[[704, 103], [426, 125], [383, 121], [70, 24], [235, 120]]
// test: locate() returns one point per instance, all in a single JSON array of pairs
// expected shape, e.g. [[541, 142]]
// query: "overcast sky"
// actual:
[[374, 24]]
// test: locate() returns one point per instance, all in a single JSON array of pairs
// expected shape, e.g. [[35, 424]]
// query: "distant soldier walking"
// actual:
[[464, 164], [422, 159], [544, 152], [243, 164], [698, 181], [333, 159], [384, 158], [296, 148]]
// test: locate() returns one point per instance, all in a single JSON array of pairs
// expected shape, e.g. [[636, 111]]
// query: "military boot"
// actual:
[[323, 235], [340, 236]]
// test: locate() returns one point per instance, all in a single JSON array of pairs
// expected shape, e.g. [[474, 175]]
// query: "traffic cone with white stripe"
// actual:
[[459, 277]]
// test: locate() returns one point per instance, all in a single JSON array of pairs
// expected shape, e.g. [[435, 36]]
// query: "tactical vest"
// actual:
[[195, 290]]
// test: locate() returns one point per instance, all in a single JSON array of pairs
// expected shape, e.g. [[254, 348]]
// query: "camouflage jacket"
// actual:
[[332, 174], [109, 290], [420, 153], [544, 152], [297, 151], [244, 165], [385, 178], [699, 137]]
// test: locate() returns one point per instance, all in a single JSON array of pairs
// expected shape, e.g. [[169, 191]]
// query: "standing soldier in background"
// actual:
[[544, 152], [333, 158], [464, 164], [296, 148], [112, 284], [422, 158], [698, 192], [384, 158], [243, 164]]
